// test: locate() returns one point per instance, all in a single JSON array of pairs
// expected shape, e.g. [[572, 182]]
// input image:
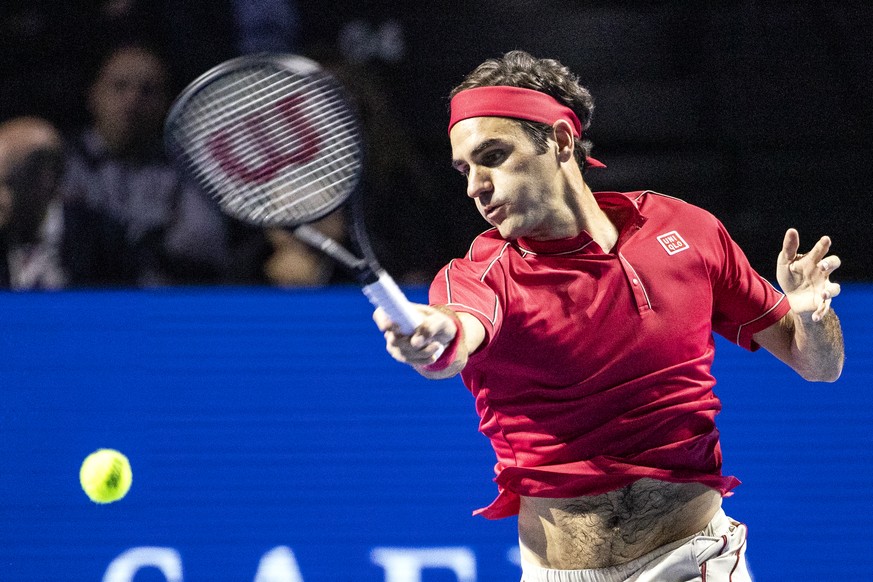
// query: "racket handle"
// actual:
[[385, 293]]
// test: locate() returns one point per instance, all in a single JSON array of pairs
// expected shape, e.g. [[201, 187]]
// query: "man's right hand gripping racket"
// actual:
[[274, 139]]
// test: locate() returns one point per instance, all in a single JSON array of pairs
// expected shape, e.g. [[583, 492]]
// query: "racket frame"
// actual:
[[377, 284]]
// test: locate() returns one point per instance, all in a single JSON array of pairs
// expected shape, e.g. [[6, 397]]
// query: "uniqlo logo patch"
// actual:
[[673, 242]]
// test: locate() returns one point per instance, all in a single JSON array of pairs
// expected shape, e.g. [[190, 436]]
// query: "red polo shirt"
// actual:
[[595, 371]]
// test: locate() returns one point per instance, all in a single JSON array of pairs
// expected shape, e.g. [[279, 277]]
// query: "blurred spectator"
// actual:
[[294, 264], [30, 209], [48, 46], [129, 219], [199, 34]]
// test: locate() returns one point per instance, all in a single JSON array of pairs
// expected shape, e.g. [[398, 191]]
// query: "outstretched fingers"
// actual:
[[805, 277], [820, 250], [790, 245], [830, 264], [799, 263]]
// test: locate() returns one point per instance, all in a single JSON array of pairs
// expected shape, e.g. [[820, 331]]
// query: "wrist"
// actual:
[[450, 353]]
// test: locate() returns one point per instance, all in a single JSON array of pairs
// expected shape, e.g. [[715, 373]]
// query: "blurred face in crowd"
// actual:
[[129, 98], [30, 165]]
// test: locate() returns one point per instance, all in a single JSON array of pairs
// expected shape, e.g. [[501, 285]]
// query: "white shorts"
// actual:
[[716, 554]]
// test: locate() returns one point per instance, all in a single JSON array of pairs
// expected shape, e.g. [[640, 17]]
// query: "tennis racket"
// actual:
[[274, 139]]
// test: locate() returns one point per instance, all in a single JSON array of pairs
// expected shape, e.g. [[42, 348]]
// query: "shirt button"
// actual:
[[635, 282]]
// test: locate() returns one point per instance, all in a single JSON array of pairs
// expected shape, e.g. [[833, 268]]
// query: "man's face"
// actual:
[[30, 167], [129, 99], [515, 188]]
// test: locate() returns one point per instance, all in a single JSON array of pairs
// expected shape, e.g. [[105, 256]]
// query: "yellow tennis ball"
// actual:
[[105, 476]]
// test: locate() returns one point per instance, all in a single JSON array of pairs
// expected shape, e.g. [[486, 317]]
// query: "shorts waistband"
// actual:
[[533, 573]]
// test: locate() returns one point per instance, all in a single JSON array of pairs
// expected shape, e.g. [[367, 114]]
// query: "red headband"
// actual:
[[515, 102]]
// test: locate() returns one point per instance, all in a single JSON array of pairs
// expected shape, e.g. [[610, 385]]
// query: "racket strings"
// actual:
[[216, 106], [222, 104], [236, 104], [244, 113]]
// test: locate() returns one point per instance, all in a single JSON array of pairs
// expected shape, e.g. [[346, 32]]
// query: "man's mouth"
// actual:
[[494, 212]]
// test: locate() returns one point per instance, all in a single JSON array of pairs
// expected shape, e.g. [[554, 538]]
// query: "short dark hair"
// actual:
[[152, 48], [520, 69]]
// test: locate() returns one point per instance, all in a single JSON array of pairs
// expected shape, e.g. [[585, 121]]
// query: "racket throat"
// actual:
[[314, 238]]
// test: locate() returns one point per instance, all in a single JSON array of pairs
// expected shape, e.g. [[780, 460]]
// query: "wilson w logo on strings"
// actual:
[[246, 150]]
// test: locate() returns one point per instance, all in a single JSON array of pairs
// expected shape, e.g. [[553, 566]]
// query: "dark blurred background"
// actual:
[[757, 111], [760, 112]]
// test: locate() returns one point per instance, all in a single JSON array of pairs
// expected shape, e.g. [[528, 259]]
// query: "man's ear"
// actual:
[[562, 132]]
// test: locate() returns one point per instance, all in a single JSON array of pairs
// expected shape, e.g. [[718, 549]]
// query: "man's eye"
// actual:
[[493, 158]]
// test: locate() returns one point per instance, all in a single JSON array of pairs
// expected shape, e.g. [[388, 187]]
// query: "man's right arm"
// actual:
[[459, 333]]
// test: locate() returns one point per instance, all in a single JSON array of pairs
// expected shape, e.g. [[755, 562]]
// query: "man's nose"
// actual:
[[478, 182]]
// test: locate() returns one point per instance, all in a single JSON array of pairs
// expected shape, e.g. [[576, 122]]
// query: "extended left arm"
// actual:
[[809, 338]]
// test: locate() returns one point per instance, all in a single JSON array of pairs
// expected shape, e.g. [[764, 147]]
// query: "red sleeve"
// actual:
[[474, 287], [744, 303]]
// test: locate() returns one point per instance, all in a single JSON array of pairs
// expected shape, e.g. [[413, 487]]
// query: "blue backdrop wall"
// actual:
[[273, 440]]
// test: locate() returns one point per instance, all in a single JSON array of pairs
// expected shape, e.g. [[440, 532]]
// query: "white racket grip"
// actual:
[[386, 294]]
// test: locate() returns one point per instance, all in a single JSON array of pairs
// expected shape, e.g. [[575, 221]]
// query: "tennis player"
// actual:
[[582, 323]]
